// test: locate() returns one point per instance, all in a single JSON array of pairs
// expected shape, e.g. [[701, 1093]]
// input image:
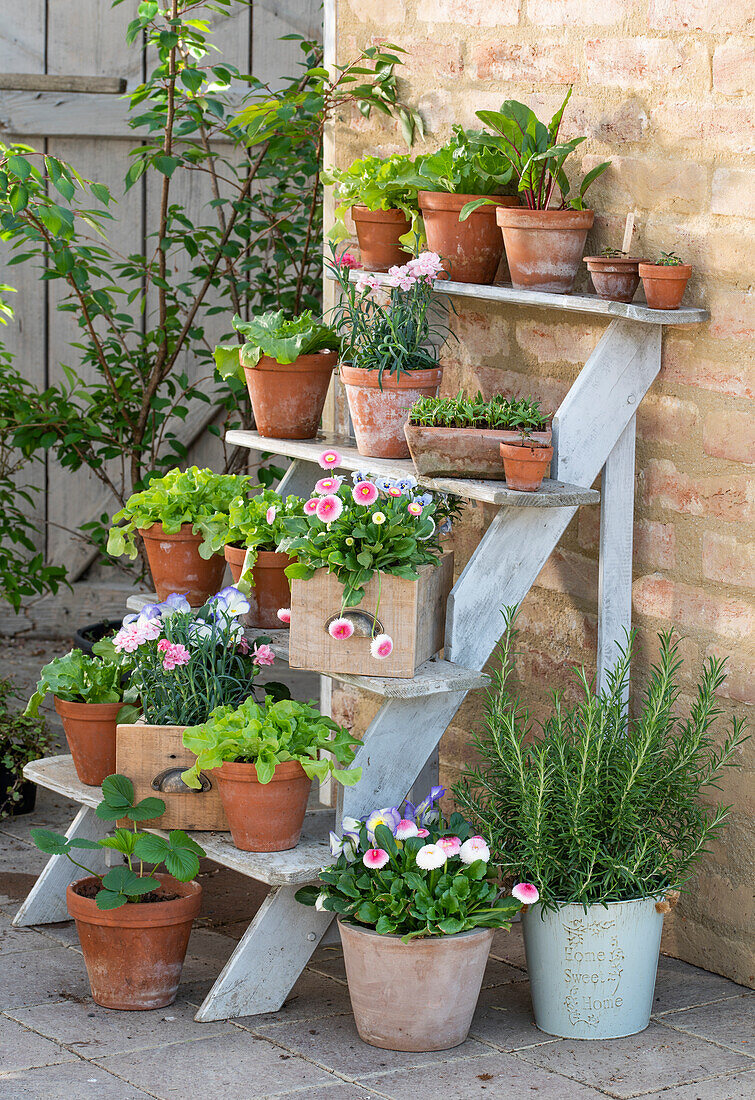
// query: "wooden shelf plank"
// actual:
[[552, 494]]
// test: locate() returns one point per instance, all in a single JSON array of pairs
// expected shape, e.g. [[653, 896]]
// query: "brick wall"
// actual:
[[660, 87]]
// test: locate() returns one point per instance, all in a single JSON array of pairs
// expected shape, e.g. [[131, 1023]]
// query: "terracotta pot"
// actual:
[[461, 452], [134, 954], [472, 249], [379, 415], [176, 566], [414, 996], [525, 466], [90, 733], [378, 232], [271, 588], [264, 817], [615, 278], [288, 398], [664, 286], [544, 247]]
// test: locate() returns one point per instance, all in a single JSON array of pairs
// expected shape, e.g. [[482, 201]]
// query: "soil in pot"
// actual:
[[176, 566], [525, 466], [271, 589], [264, 817], [379, 415], [615, 278], [544, 247], [415, 996], [471, 250], [461, 452], [664, 285], [86, 636], [288, 398], [378, 233], [134, 954], [90, 733]]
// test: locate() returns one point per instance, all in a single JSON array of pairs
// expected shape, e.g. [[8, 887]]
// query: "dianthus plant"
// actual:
[[405, 870], [183, 663]]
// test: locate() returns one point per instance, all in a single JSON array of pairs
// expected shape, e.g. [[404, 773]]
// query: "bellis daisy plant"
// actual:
[[406, 871]]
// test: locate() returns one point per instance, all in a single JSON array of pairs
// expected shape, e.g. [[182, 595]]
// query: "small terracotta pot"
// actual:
[[525, 466], [414, 996], [378, 232], [461, 452], [472, 249], [176, 566], [90, 733], [379, 415], [288, 398], [544, 247], [264, 817], [615, 278], [134, 954], [664, 286], [271, 589]]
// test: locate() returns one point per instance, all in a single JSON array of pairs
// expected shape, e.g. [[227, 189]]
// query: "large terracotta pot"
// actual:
[[271, 589], [461, 452], [90, 733], [415, 996], [134, 954], [264, 817], [176, 566], [544, 247], [615, 278], [379, 415], [664, 285], [378, 232], [525, 466], [472, 249], [288, 398]]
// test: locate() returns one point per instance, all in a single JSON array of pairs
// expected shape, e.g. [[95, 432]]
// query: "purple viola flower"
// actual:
[[176, 601], [390, 816]]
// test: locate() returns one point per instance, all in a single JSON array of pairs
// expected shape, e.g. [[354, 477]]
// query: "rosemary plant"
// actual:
[[600, 807]]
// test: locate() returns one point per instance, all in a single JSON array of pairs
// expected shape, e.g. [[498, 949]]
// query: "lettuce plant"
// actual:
[[279, 337], [256, 523], [126, 884], [379, 183], [191, 496], [470, 163], [77, 678], [270, 734]]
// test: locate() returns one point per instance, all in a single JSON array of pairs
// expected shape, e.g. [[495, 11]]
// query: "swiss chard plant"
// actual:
[[269, 734], [276, 335], [130, 882], [470, 163], [379, 183], [253, 522], [190, 496], [78, 678], [498, 413]]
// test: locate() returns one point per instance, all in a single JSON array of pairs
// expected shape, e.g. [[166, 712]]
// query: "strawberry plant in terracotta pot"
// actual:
[[525, 463], [265, 758], [286, 363], [133, 925], [665, 281], [614, 275]]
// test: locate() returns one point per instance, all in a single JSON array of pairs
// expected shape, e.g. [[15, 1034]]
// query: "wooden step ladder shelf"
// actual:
[[593, 433]]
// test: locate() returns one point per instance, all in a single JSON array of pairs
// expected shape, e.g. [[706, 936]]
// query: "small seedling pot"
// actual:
[[615, 278], [664, 285], [288, 398], [264, 817], [525, 465], [378, 233], [270, 590], [176, 565], [90, 733], [379, 414]]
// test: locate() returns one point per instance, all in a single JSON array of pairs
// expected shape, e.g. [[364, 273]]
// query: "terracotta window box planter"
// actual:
[[525, 466], [288, 398], [664, 284], [461, 452], [412, 612], [90, 733], [271, 589], [378, 233], [471, 250], [176, 566], [379, 415], [264, 817], [615, 278], [544, 247]]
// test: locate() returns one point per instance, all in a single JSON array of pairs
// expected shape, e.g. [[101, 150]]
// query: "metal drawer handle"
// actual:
[[365, 625], [170, 782]]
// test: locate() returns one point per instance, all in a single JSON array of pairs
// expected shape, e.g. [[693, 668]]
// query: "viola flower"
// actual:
[[414, 508], [328, 485], [263, 655], [284, 614], [198, 631], [176, 601], [423, 833], [344, 845], [365, 492], [375, 858], [405, 829], [347, 260], [473, 849], [378, 518], [270, 514], [407, 484], [320, 903], [383, 483], [424, 499], [311, 506], [430, 856], [341, 629], [381, 646], [526, 893], [232, 600], [388, 816], [329, 508], [329, 459], [451, 845]]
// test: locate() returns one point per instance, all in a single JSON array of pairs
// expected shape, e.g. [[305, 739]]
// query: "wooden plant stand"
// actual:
[[593, 431]]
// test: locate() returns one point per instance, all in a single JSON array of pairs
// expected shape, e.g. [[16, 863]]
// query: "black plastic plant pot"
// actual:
[[86, 636], [28, 791]]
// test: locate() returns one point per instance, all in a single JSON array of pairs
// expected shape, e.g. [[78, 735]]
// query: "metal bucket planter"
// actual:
[[592, 974]]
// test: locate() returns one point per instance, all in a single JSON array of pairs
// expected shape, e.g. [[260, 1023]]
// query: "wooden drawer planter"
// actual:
[[412, 612], [153, 757]]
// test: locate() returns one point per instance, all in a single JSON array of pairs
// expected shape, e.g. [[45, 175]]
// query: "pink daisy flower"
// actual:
[[365, 492], [473, 849], [270, 514], [329, 508], [413, 508], [327, 485], [284, 614], [423, 833], [405, 829], [381, 646], [394, 491], [451, 845], [375, 858], [263, 655], [340, 629], [526, 893], [311, 506], [329, 460]]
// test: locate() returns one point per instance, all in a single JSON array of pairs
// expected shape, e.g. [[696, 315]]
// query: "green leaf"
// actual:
[[150, 848], [110, 899], [19, 166], [118, 791], [52, 844], [146, 810]]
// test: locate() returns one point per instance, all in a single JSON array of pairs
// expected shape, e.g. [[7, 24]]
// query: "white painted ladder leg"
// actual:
[[46, 902]]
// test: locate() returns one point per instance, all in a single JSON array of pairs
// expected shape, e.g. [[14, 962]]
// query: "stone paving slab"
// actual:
[[18, 939], [50, 974], [23, 1049], [679, 985], [73, 1081], [504, 1019], [730, 1023], [313, 997], [739, 1086]]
